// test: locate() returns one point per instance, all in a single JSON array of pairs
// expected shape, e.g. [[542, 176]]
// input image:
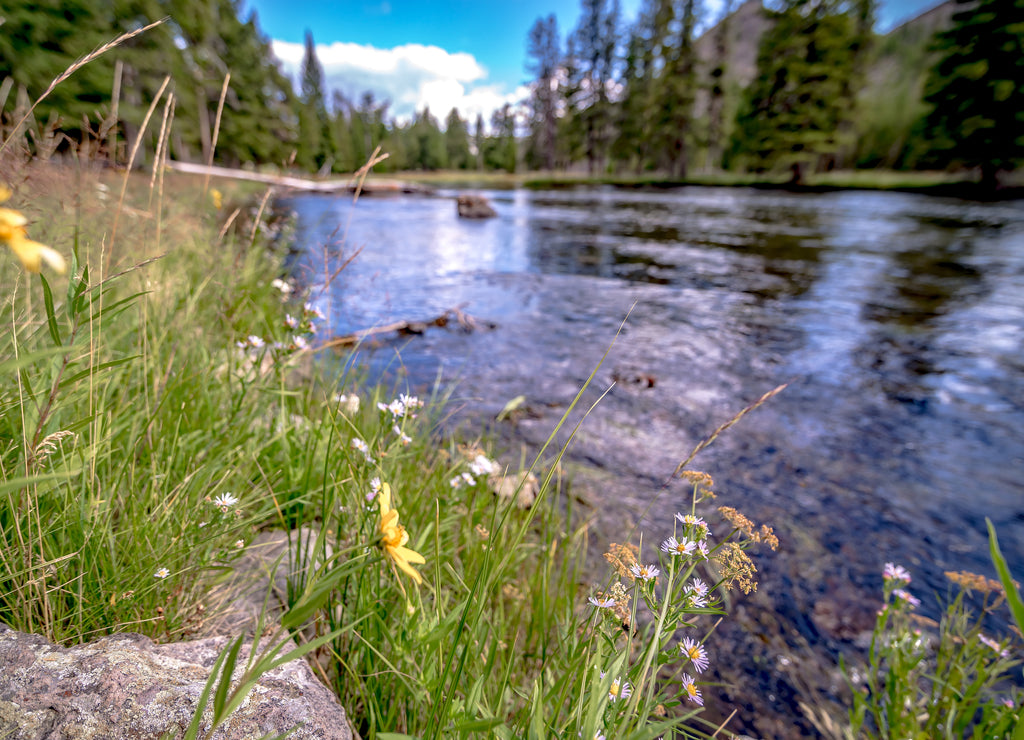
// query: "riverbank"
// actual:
[[927, 183], [168, 410]]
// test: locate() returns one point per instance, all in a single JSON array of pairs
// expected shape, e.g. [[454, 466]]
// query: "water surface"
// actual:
[[897, 320]]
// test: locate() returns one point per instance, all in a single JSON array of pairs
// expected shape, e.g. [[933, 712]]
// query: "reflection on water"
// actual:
[[896, 319]]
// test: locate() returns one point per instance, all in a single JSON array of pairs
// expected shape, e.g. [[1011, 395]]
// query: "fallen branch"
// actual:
[[466, 322]]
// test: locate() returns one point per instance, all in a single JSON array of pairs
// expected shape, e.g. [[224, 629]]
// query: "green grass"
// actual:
[[162, 412]]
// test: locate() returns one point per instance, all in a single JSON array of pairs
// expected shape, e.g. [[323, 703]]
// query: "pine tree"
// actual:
[[596, 43], [39, 40], [802, 92], [543, 56], [479, 141], [425, 144], [341, 131], [572, 91], [679, 91], [630, 119], [977, 90], [314, 123], [502, 152], [456, 141]]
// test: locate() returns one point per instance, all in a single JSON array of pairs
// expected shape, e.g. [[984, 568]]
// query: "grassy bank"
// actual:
[[164, 409]]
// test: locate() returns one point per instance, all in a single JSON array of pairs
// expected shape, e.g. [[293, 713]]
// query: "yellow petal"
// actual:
[[33, 254], [12, 223], [5, 193], [401, 556], [410, 555], [385, 500]]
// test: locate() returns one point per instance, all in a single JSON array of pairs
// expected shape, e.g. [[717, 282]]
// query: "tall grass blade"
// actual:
[[1009, 586], [51, 319]]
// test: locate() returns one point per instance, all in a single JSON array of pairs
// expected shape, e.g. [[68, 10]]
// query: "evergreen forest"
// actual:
[[788, 86]]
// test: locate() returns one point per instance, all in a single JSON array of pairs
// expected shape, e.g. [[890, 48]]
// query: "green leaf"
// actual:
[[112, 309], [15, 483], [14, 364], [193, 727], [476, 725], [1012, 592], [96, 369], [225, 678], [510, 407], [51, 319]]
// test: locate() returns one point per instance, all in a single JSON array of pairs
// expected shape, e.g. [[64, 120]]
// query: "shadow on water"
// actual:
[[896, 319]]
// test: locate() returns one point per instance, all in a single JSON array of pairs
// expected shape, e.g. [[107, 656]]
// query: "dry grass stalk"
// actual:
[[259, 215], [714, 435], [131, 159], [108, 127], [161, 146], [216, 130]]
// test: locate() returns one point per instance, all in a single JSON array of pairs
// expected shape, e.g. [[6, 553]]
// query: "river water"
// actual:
[[897, 321]]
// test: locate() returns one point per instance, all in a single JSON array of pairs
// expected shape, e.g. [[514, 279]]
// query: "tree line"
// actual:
[[658, 96]]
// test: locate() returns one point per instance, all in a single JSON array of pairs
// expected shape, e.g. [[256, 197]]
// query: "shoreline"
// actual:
[[924, 183]]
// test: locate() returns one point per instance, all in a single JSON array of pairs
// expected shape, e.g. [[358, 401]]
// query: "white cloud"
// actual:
[[411, 76]]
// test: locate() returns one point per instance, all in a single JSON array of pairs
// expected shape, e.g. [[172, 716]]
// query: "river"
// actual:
[[897, 321]]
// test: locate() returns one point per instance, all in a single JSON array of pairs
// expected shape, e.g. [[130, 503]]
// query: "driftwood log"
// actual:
[[466, 322]]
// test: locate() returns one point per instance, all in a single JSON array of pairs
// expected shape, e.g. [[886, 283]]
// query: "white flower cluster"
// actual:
[[402, 406], [479, 466], [347, 404], [302, 328], [693, 541]]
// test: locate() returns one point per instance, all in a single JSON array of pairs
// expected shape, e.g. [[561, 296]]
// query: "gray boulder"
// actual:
[[126, 686]]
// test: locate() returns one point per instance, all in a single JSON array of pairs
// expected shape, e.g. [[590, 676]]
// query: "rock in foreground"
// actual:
[[125, 686]]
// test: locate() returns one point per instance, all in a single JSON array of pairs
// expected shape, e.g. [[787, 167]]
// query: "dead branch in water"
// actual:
[[466, 322]]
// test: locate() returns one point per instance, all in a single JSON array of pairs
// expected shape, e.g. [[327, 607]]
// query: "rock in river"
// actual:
[[475, 206]]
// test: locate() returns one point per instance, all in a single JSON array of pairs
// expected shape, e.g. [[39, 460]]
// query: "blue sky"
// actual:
[[464, 53]]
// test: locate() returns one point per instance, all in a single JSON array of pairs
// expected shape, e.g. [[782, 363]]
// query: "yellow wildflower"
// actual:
[[393, 537], [217, 197], [12, 233]]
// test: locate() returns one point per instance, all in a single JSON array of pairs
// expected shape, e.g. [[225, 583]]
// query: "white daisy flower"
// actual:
[[692, 692], [695, 653], [644, 572], [677, 547], [225, 501]]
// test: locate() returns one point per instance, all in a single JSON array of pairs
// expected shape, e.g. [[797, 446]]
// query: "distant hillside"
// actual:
[[890, 102], [748, 23], [899, 64], [745, 26]]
